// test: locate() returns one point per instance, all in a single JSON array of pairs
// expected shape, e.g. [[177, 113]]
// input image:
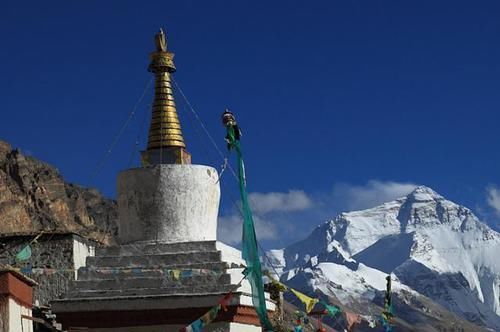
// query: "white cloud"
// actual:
[[266, 208], [493, 199], [293, 200], [290, 216], [229, 229], [373, 193]]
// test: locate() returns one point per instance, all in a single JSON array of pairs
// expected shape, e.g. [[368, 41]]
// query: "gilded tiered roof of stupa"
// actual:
[[165, 140]]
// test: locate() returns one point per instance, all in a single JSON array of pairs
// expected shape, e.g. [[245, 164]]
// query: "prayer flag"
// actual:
[[331, 309], [372, 322], [210, 315], [186, 273], [226, 300], [26, 270], [250, 252], [50, 272], [309, 302], [351, 319], [175, 274], [24, 254], [197, 325]]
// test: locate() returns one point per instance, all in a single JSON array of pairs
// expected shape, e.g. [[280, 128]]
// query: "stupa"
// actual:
[[169, 268]]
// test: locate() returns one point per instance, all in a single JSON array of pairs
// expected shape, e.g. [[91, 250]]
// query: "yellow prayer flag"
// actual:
[[176, 274], [309, 302], [281, 285]]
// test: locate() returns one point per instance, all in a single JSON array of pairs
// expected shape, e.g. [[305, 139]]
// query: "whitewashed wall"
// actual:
[[80, 253], [16, 322]]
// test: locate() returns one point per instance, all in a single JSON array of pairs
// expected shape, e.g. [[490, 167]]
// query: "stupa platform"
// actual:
[[133, 287]]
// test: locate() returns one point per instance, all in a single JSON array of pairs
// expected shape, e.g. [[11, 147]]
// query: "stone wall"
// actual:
[[61, 252]]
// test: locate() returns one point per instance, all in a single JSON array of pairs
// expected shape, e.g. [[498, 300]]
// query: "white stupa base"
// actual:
[[168, 203]]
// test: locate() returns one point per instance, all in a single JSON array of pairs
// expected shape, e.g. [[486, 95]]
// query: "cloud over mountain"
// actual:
[[229, 228], [292, 211], [493, 199], [293, 200], [373, 193]]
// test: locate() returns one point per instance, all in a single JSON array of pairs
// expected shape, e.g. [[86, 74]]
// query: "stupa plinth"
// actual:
[[169, 269]]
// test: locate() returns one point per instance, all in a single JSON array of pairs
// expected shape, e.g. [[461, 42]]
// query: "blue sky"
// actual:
[[331, 95]]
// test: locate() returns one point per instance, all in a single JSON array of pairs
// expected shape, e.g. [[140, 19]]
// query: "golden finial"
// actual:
[[161, 41], [165, 142]]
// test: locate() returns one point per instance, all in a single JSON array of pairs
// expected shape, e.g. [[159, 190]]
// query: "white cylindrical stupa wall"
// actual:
[[168, 203]]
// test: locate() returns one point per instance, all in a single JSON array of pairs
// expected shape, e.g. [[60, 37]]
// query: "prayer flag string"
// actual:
[[172, 274]]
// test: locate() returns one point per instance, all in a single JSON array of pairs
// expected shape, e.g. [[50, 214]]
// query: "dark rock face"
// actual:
[[34, 197]]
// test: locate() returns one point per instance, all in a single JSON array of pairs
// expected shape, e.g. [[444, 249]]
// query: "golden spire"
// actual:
[[165, 142]]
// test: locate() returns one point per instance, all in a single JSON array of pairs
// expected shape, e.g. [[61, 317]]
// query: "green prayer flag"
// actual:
[[24, 254], [250, 253], [331, 309]]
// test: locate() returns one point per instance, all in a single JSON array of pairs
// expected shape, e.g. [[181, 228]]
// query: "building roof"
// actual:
[[32, 234], [18, 274], [35, 233]]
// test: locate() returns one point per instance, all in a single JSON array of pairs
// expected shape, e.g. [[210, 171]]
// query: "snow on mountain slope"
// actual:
[[438, 248]]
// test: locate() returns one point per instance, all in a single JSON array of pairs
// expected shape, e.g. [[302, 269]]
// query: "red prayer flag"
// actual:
[[225, 301]]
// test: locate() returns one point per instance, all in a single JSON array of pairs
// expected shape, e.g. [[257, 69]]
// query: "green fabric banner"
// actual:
[[250, 252], [24, 254], [331, 309]]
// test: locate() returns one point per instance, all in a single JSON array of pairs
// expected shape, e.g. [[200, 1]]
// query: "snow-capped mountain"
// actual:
[[432, 247]]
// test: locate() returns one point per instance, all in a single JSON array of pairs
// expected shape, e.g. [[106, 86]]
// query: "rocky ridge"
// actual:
[[35, 197]]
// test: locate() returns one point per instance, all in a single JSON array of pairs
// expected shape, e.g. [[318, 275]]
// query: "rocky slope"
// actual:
[[438, 252], [34, 197]]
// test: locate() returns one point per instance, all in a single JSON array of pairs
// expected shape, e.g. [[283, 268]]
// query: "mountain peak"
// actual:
[[423, 194], [434, 246]]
